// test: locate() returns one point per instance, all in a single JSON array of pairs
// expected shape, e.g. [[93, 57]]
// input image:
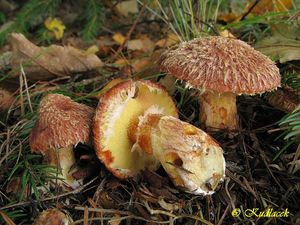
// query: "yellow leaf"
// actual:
[[229, 17], [126, 7], [226, 33], [56, 26], [166, 42], [92, 50], [108, 86], [119, 38], [121, 62]]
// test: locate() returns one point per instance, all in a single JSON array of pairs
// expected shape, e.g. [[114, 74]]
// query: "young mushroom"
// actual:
[[221, 68], [136, 128], [61, 125]]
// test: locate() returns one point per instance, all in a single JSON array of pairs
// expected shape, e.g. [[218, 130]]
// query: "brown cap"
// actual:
[[61, 123], [221, 64]]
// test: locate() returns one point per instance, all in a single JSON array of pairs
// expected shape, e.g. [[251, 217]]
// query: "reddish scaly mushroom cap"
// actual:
[[62, 123], [222, 65]]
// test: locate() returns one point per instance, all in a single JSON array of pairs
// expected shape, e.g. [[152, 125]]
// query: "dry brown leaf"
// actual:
[[264, 6], [42, 63], [143, 44], [140, 65], [168, 82], [260, 8]]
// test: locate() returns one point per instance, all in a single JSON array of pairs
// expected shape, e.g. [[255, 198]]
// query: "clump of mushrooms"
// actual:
[[61, 125], [136, 128], [221, 68]]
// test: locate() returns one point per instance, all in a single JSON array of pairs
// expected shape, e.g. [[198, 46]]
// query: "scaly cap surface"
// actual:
[[61, 123], [222, 65]]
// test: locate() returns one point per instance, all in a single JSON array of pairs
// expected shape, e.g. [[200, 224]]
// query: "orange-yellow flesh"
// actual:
[[218, 111], [128, 106]]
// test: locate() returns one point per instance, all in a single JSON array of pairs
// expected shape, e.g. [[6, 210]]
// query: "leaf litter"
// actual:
[[253, 179]]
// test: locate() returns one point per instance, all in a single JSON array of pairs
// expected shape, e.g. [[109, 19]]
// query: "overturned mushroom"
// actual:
[[136, 128], [117, 115], [222, 68], [61, 125]]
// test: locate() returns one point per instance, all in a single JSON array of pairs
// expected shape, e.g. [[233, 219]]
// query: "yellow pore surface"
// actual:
[[129, 105]]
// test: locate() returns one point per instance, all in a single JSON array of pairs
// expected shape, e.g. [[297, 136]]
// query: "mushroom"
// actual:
[[61, 125], [53, 217], [117, 115], [193, 160], [136, 128], [222, 68]]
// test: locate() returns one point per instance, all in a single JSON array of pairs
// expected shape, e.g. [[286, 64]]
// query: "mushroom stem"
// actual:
[[218, 110], [192, 159], [64, 160]]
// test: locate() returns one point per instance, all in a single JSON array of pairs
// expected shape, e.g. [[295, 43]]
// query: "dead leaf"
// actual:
[[92, 50], [144, 44], [264, 6], [260, 8], [283, 48], [140, 65], [227, 34], [228, 17], [171, 39], [42, 63], [108, 86], [119, 38], [121, 62], [283, 43], [168, 82], [127, 7]]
